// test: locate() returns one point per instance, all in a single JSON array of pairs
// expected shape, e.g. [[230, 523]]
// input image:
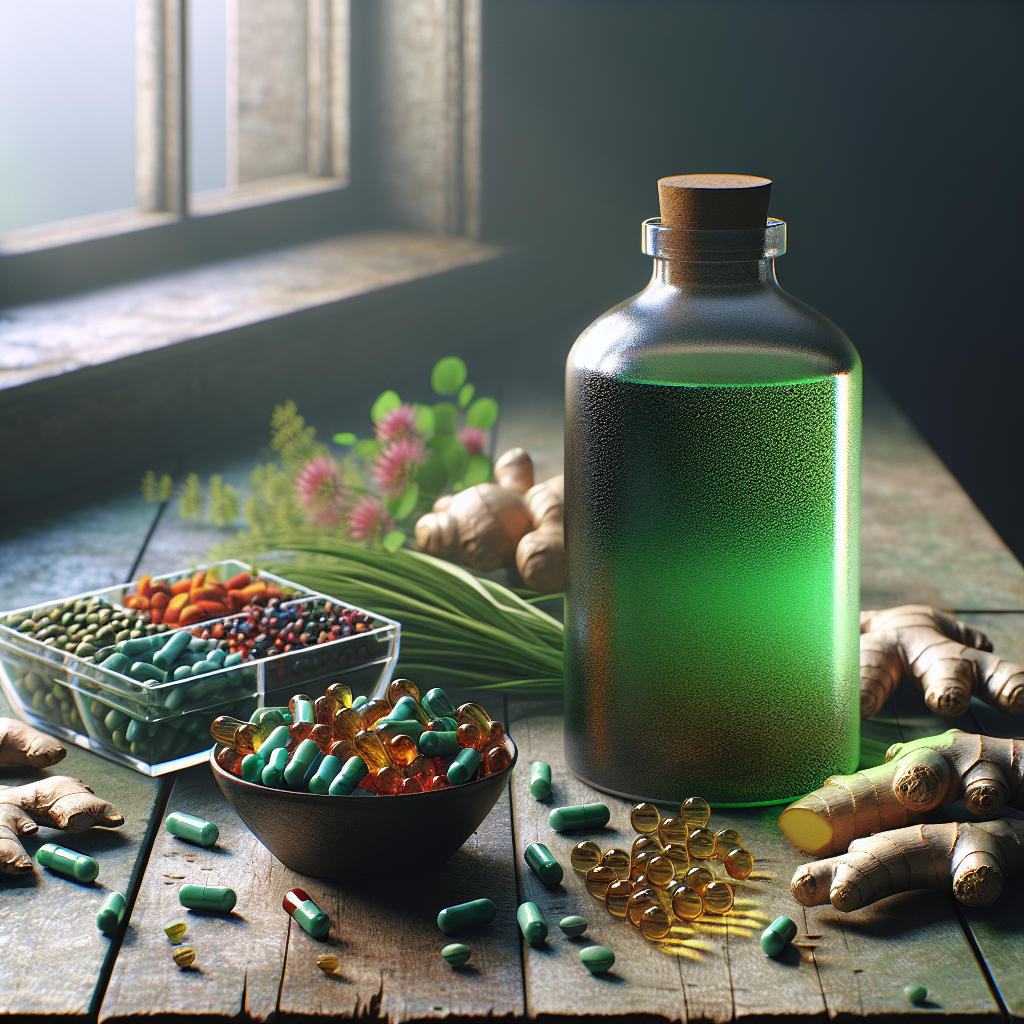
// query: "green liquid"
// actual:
[[712, 527]]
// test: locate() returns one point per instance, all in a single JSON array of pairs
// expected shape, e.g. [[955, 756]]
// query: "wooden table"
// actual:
[[923, 541]]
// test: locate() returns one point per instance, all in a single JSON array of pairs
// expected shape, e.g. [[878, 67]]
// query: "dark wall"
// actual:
[[891, 129]]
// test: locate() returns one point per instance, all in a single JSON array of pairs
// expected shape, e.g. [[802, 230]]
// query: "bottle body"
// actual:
[[712, 522]]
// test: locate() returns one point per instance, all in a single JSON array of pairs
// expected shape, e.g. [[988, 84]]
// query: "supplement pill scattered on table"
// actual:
[[777, 936], [532, 924], [111, 913], [306, 913], [328, 963], [192, 829], [543, 864], [565, 819], [466, 915], [184, 956], [597, 959], [915, 994], [540, 780], [176, 928], [214, 899], [456, 953], [67, 862], [584, 856], [573, 925]]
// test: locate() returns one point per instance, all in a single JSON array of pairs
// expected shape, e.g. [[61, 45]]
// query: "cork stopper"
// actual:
[[714, 202]]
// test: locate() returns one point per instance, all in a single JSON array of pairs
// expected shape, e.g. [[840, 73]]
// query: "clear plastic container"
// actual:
[[158, 727]]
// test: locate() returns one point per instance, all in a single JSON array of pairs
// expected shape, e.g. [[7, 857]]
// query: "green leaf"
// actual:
[[466, 393], [456, 460], [446, 418], [346, 439], [394, 540], [367, 450], [424, 418], [482, 414], [448, 375], [402, 506], [478, 471], [432, 476], [386, 402]]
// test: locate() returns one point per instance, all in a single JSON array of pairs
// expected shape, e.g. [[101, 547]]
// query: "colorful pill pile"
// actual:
[[399, 744]]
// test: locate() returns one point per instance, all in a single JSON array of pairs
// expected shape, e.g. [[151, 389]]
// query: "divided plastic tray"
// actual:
[[159, 727]]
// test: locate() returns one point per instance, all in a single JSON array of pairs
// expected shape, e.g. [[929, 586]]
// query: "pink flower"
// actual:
[[322, 491], [473, 440], [398, 423], [369, 520], [396, 464]]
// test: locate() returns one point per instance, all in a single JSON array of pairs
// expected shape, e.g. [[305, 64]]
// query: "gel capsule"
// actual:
[[701, 843], [718, 897], [644, 844], [617, 895], [66, 862], [598, 879], [728, 839], [215, 899], [347, 723], [401, 749], [645, 818], [496, 759], [573, 925], [184, 956], [660, 870], [565, 819], [618, 860], [340, 694], [456, 954], [111, 913], [466, 915], [584, 856], [373, 711], [673, 830], [640, 900], [687, 903], [176, 928], [695, 812], [532, 924], [328, 962], [680, 857], [655, 922], [399, 688], [192, 829], [543, 864], [540, 780], [739, 863], [304, 912], [698, 877]]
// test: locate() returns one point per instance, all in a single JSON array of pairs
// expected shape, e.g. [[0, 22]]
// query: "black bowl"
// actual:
[[334, 836]]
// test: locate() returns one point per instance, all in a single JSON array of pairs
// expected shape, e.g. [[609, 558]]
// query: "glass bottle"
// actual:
[[712, 520]]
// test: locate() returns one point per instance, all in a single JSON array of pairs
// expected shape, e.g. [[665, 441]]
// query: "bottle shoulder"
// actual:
[[762, 331]]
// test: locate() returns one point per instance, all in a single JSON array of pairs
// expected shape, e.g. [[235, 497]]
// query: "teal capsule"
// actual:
[[302, 711], [464, 767], [252, 767], [438, 744], [116, 662], [311, 771], [302, 757], [573, 925], [358, 702], [466, 915], [215, 899], [406, 708], [182, 672], [217, 657], [111, 913], [532, 924], [142, 671], [192, 829], [349, 777], [456, 953], [279, 738], [274, 770], [233, 659], [438, 705], [597, 959], [540, 780], [324, 776], [66, 862], [201, 668], [133, 648], [398, 726], [565, 819], [915, 994], [306, 913], [172, 649], [543, 864], [777, 936]]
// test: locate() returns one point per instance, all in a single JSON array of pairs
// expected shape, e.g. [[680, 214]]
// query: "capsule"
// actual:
[[352, 773], [66, 862], [616, 897], [584, 856], [300, 762], [464, 767], [301, 708], [437, 704], [532, 924], [695, 811], [176, 928], [543, 864], [573, 925], [326, 771], [306, 913], [466, 915], [328, 962], [111, 913], [718, 897], [618, 860], [274, 768], [252, 767], [673, 830], [660, 870], [399, 688], [192, 829], [340, 694], [388, 727], [598, 879], [701, 844], [565, 819], [438, 744], [645, 818], [698, 878], [777, 936], [687, 903], [597, 959], [214, 899], [456, 953], [406, 709], [277, 740], [496, 759], [540, 780], [739, 863]]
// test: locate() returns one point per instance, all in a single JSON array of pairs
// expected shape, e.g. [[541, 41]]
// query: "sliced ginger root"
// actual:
[[977, 858], [987, 772], [57, 802], [948, 661]]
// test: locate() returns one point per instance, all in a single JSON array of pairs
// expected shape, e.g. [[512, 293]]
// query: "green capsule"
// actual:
[[325, 774], [358, 702], [777, 936], [573, 925], [915, 994], [398, 727], [192, 829], [349, 777], [466, 915], [111, 913], [406, 708], [172, 649], [438, 704], [252, 767], [272, 774], [565, 819], [279, 738], [540, 780], [543, 864], [302, 758], [438, 744], [133, 648], [215, 899], [142, 671], [464, 767], [114, 719], [456, 953], [115, 663], [597, 959], [233, 659], [66, 862], [532, 924], [306, 913]]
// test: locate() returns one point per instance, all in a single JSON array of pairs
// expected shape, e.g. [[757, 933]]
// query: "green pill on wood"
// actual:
[[532, 924], [466, 915], [66, 862], [215, 899], [915, 994], [540, 780], [565, 819], [597, 959], [192, 829], [777, 936], [543, 863], [456, 953], [438, 744], [111, 913], [573, 925], [464, 767]]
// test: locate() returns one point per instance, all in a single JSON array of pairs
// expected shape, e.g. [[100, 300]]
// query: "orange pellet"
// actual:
[[440, 782], [399, 688], [496, 760], [618, 861], [645, 818], [412, 784], [616, 897], [469, 734], [598, 879], [655, 922], [739, 863], [402, 750], [421, 766], [701, 843], [243, 579]]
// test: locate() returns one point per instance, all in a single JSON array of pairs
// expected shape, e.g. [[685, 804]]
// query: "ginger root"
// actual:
[[514, 471], [942, 657], [540, 555], [58, 802], [20, 744], [987, 772], [978, 858]]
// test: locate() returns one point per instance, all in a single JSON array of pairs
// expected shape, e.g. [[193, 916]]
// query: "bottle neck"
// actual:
[[746, 274]]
